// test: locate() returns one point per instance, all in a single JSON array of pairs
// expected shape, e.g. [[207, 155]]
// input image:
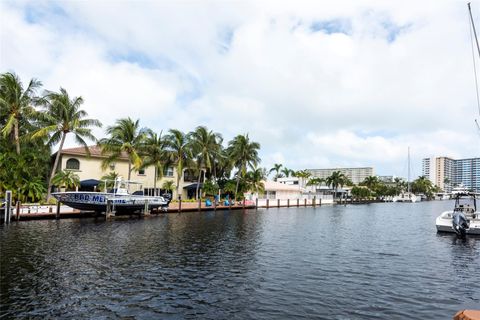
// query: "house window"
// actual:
[[73, 164], [168, 172], [141, 171]]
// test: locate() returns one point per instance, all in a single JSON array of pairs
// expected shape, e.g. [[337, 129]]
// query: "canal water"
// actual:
[[377, 261]]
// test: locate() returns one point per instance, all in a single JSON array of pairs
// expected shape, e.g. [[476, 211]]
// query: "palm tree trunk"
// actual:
[[54, 169], [198, 184], [179, 175], [236, 187], [129, 169], [17, 139]]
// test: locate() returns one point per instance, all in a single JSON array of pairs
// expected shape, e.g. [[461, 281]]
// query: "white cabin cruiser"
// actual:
[[118, 198], [464, 218]]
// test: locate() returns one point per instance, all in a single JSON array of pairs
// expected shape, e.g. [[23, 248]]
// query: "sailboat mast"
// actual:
[[478, 50], [473, 26], [408, 178]]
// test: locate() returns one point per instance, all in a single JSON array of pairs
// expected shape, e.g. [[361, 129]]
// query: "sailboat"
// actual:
[[408, 196]]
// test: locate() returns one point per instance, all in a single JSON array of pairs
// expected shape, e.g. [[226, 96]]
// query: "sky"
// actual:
[[319, 84]]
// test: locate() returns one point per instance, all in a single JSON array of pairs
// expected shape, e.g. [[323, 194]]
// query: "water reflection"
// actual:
[[380, 261]]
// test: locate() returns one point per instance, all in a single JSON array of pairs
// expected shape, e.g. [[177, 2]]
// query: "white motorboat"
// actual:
[[406, 197], [119, 199], [464, 218]]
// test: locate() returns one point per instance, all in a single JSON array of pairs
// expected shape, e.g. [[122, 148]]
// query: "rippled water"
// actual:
[[382, 261]]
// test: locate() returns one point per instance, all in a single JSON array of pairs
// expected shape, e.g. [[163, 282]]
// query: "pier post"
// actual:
[[109, 213], [243, 203], [320, 202], [305, 202], [313, 202], [230, 204], [18, 210], [199, 204], [278, 203], [288, 203], [179, 204], [57, 214], [268, 200], [256, 204], [145, 209], [298, 202], [8, 206]]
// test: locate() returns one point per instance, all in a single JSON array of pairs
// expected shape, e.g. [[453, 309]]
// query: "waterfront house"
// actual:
[[89, 169]]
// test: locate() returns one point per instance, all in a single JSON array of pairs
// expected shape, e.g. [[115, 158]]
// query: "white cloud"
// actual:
[[401, 74]]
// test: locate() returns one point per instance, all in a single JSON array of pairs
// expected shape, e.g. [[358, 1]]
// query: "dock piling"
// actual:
[[8, 206], [57, 214], [17, 207]]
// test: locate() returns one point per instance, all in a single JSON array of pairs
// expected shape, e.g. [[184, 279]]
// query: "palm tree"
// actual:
[[66, 179], [315, 181], [205, 146], [168, 185], [109, 180], [178, 152], [125, 136], [155, 155], [303, 175], [276, 168], [371, 182], [254, 179], [16, 104], [243, 154], [61, 117], [336, 179], [286, 172]]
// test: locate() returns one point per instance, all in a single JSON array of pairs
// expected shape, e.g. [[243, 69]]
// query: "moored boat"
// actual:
[[463, 219], [118, 198]]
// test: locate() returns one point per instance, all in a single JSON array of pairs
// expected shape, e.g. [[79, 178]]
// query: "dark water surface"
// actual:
[[378, 261]]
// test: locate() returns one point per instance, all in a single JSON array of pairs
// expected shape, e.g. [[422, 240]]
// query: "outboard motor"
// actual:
[[167, 197], [459, 223]]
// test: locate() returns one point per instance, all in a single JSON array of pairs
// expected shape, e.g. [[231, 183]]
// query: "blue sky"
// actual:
[[318, 84]]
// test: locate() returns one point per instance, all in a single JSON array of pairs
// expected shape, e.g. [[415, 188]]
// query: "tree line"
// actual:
[[32, 123]]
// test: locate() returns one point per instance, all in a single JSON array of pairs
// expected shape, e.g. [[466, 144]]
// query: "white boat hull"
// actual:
[[444, 223], [97, 201], [406, 197]]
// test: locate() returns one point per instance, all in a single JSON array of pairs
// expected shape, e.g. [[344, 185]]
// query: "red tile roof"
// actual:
[[95, 152]]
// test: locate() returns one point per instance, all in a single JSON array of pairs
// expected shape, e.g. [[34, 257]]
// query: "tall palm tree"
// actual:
[[125, 136], [16, 104], [178, 152], [205, 146], [243, 154], [276, 168], [155, 155], [335, 180], [63, 116]]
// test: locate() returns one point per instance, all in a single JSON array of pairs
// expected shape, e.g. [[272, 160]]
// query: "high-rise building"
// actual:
[[446, 172], [356, 175], [467, 172], [439, 170]]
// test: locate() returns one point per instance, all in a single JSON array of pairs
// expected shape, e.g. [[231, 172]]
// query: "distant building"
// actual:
[[467, 172], [439, 170], [445, 172], [356, 175]]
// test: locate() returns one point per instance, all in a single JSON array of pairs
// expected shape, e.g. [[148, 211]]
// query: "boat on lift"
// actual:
[[464, 218], [119, 199]]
